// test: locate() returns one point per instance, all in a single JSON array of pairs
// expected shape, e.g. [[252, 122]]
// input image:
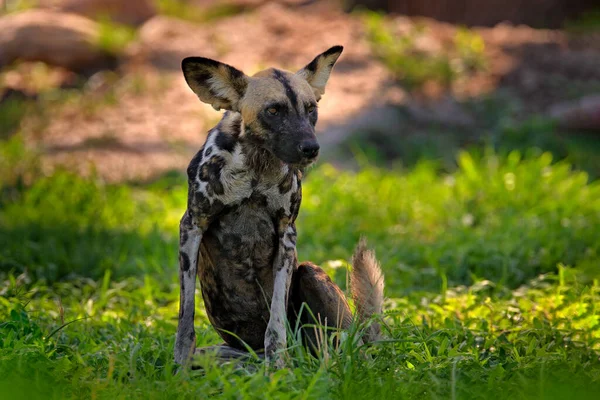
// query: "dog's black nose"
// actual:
[[309, 148]]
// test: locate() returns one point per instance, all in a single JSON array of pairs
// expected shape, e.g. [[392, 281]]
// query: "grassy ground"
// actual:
[[491, 271]]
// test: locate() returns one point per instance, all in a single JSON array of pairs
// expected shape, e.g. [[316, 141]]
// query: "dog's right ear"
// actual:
[[215, 83]]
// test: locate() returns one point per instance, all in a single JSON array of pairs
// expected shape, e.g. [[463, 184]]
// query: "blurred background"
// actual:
[[97, 126], [462, 138], [93, 89], [98, 82]]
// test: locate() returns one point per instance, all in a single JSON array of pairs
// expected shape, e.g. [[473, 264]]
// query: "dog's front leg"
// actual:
[[284, 264], [190, 237]]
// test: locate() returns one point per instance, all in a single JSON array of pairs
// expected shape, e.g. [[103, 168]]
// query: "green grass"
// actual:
[[491, 271]]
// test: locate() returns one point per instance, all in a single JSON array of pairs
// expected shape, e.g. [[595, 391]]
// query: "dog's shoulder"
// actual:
[[215, 171]]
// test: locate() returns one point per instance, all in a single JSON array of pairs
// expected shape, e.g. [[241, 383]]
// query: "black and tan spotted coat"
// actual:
[[238, 234]]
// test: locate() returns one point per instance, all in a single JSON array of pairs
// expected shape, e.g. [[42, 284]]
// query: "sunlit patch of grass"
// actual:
[[115, 338]]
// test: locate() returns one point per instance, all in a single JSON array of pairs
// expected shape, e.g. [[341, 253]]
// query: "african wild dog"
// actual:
[[238, 232]]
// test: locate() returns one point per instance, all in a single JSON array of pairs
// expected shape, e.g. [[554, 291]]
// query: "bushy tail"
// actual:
[[367, 285]]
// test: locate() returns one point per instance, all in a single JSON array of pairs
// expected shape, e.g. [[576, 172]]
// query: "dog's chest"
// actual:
[[247, 229], [242, 240], [238, 251]]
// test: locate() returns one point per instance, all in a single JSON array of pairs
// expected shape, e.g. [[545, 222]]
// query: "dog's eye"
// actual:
[[311, 108], [272, 111]]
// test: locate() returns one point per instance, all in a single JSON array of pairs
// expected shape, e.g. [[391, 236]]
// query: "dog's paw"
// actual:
[[275, 344], [276, 360]]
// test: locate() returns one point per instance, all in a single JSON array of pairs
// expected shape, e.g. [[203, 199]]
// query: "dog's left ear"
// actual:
[[318, 70], [214, 82]]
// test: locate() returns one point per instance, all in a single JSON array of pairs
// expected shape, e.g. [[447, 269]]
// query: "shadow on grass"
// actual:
[[64, 225], [416, 142], [61, 251]]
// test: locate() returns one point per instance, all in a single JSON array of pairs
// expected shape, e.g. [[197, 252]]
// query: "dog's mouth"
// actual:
[[306, 162], [301, 162], [298, 159]]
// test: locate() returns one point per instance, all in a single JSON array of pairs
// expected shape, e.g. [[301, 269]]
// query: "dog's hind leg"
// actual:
[[326, 303]]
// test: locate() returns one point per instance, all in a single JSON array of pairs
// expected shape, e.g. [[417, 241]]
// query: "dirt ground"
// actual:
[[142, 120]]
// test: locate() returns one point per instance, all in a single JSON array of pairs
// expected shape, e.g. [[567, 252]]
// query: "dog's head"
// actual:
[[279, 108]]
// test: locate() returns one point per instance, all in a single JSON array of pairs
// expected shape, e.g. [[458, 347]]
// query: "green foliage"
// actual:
[[11, 6], [580, 149], [64, 224], [439, 144], [505, 220], [479, 304], [414, 66], [15, 106], [113, 37], [12, 112], [18, 165], [184, 10], [587, 22], [470, 49]]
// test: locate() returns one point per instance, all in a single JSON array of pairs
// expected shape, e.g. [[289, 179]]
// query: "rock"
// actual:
[[130, 12], [61, 39], [580, 114], [165, 41]]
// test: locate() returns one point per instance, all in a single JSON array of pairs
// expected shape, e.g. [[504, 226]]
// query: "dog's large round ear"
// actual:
[[318, 70], [215, 83]]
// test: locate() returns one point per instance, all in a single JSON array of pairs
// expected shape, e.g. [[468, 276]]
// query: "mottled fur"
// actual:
[[238, 233], [367, 284]]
